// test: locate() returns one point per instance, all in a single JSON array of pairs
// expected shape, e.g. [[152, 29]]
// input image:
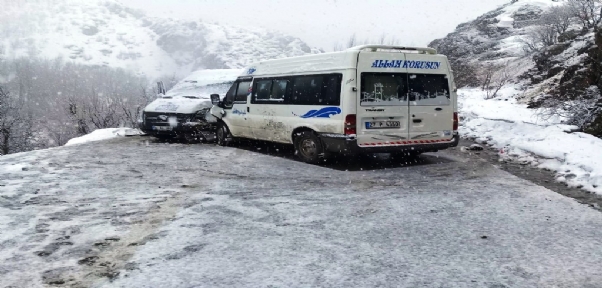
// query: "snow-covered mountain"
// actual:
[[106, 32], [496, 35], [551, 69]]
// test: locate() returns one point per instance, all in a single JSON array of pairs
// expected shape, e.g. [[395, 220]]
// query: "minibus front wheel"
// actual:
[[222, 134], [308, 147]]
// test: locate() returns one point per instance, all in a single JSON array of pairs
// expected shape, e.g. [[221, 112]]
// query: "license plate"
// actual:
[[162, 128], [382, 124]]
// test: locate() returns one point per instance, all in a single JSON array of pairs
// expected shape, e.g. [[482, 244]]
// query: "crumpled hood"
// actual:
[[178, 105]]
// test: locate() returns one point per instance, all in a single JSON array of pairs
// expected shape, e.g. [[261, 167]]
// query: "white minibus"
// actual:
[[366, 99]]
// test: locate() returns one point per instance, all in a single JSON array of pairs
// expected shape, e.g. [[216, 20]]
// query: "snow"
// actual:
[[521, 135], [173, 215], [103, 134], [506, 18], [203, 83], [108, 33]]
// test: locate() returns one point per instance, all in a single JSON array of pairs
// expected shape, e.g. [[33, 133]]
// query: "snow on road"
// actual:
[[521, 134], [129, 212]]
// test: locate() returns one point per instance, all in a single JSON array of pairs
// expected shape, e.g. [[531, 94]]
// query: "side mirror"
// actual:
[[215, 99]]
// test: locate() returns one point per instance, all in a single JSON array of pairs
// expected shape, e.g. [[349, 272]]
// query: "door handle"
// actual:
[[438, 109], [248, 110], [417, 120]]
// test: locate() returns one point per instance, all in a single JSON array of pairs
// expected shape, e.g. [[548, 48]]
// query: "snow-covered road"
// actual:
[[129, 212]]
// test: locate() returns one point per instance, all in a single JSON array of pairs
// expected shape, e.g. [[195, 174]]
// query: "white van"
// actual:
[[183, 111], [366, 99]]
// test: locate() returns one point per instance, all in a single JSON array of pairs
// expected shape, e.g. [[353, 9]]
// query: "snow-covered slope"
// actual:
[[550, 70], [106, 32], [496, 35], [522, 122]]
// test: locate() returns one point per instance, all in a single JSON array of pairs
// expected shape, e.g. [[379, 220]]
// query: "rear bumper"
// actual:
[[338, 143]]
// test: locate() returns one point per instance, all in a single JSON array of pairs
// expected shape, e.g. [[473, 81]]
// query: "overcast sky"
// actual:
[[322, 23]]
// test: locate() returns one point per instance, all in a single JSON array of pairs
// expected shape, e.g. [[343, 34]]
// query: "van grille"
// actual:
[[162, 119]]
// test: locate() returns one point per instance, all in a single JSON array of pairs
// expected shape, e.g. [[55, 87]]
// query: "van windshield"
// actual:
[[399, 89]]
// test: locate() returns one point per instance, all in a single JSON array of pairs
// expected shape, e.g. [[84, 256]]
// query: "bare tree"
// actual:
[[494, 78], [382, 39], [559, 17], [465, 73], [352, 41], [587, 11], [539, 37], [69, 100], [15, 125], [579, 110]]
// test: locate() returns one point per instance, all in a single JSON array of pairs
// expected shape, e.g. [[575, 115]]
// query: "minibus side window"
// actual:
[[263, 90], [331, 90], [307, 90]]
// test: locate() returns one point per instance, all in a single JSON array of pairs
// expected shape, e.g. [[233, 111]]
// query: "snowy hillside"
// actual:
[[546, 64], [496, 35], [544, 47], [106, 32]]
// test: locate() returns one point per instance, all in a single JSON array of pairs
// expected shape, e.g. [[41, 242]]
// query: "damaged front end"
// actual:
[[196, 127]]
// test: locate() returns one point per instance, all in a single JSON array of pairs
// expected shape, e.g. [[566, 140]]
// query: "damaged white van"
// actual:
[[367, 99], [182, 112]]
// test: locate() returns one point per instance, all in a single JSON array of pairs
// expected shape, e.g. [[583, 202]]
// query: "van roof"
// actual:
[[323, 62]]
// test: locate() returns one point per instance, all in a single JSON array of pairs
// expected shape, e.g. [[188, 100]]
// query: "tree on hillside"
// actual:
[[15, 125], [353, 41], [551, 24], [51, 102], [587, 11], [493, 78]]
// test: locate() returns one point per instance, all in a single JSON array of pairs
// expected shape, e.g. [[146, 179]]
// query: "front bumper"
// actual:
[[342, 144], [154, 126]]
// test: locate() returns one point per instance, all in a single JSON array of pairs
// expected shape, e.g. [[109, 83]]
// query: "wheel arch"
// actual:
[[300, 129]]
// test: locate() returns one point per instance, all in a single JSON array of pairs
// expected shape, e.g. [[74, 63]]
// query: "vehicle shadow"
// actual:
[[369, 162]]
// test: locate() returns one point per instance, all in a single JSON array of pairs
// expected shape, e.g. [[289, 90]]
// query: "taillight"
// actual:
[[455, 121], [350, 124]]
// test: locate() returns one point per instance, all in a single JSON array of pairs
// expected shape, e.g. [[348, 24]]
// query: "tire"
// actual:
[[308, 147], [222, 135]]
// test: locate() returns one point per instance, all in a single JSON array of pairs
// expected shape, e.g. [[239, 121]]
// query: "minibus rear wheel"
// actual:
[[308, 147]]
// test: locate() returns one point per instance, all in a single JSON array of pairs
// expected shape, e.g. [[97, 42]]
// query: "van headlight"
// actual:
[[202, 114]]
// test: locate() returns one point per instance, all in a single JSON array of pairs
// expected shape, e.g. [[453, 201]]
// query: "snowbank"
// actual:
[[103, 134], [521, 135]]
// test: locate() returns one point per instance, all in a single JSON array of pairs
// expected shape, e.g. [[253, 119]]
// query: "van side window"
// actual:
[[230, 96], [331, 92], [307, 90], [279, 90], [317, 90], [323, 89], [242, 92], [263, 90]]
